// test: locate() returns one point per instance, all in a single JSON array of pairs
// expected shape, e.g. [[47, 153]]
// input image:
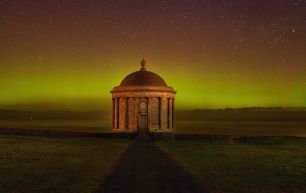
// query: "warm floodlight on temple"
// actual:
[[143, 102]]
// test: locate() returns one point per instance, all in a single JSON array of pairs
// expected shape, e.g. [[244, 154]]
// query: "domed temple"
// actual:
[[143, 103]]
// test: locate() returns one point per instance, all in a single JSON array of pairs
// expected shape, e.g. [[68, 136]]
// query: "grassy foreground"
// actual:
[[91, 126], [245, 128], [262, 166], [40, 164], [182, 127]]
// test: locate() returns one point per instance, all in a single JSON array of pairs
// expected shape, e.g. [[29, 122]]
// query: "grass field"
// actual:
[[53, 164], [100, 126], [255, 166], [42, 164], [245, 128], [57, 165], [249, 121], [191, 127]]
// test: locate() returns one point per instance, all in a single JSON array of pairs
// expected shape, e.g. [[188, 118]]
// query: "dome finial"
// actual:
[[143, 64]]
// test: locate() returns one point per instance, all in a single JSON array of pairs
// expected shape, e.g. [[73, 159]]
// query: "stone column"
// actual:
[[132, 114], [170, 113], [164, 113], [137, 114], [122, 113], [126, 118], [115, 113], [160, 113], [149, 113]]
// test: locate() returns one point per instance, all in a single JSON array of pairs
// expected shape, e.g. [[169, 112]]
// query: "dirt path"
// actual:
[[144, 168]]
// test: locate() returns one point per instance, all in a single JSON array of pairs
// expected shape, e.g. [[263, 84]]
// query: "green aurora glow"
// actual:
[[65, 61]]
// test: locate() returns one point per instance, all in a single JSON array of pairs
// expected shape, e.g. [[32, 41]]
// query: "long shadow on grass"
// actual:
[[144, 168]]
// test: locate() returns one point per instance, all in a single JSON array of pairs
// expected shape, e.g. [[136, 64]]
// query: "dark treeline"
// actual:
[[243, 114], [54, 115]]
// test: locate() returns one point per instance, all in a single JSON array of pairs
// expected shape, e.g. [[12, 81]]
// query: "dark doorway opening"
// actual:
[[143, 124]]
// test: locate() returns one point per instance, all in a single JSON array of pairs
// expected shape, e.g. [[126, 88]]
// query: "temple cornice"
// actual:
[[143, 89]]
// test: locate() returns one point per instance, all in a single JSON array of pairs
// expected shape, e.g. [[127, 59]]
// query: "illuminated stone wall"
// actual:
[[155, 104]]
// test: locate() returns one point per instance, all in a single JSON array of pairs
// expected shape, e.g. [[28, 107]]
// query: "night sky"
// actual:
[[68, 55]]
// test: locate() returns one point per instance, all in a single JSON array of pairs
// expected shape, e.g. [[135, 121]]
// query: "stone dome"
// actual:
[[143, 103], [143, 78]]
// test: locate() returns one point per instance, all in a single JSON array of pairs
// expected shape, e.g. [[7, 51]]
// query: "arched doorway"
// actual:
[[143, 117]]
